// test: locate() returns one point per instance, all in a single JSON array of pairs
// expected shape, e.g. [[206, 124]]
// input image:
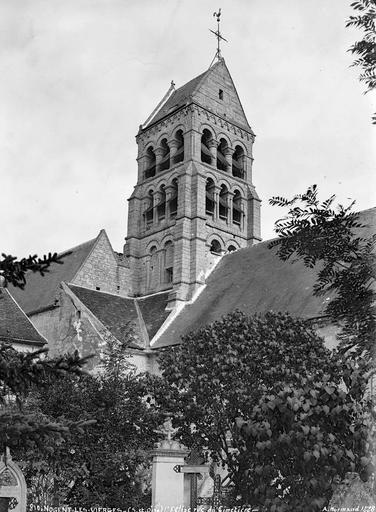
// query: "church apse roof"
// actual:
[[15, 327], [203, 90], [123, 316], [254, 280]]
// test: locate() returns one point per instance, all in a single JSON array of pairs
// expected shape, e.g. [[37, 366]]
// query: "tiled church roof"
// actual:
[[41, 291], [253, 280], [195, 90], [15, 327], [119, 314], [178, 99], [153, 311]]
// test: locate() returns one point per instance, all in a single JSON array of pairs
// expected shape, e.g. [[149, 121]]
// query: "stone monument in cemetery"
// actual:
[[176, 475], [167, 484], [12, 485]]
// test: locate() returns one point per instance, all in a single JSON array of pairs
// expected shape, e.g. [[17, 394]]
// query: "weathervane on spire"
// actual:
[[218, 35]]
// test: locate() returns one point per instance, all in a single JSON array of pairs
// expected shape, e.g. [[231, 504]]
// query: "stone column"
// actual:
[[247, 166], [167, 484], [158, 158], [142, 165], [228, 152], [156, 200], [230, 197], [173, 145], [216, 202], [169, 190], [213, 144]]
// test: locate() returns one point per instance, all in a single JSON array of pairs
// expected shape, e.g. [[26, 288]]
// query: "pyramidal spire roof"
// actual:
[[203, 90]]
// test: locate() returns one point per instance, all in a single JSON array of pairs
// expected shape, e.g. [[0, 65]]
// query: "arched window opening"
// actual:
[[205, 151], [210, 201], [153, 268], [223, 207], [165, 161], [237, 208], [238, 162], [150, 163], [149, 209], [215, 247], [168, 262], [161, 207], [174, 199], [231, 248], [221, 159], [179, 155]]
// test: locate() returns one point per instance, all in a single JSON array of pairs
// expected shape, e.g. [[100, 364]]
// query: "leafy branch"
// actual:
[[365, 49], [331, 240], [13, 270]]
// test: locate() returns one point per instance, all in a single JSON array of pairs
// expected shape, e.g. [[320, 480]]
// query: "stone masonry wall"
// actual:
[[67, 329], [102, 271]]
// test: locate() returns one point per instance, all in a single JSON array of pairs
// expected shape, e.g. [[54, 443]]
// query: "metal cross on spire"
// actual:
[[218, 35]]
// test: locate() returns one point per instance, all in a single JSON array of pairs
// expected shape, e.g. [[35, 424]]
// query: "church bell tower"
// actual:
[[194, 200]]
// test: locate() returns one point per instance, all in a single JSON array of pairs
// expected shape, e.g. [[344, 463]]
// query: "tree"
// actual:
[[333, 240], [14, 270], [19, 374], [261, 393], [365, 49], [109, 463]]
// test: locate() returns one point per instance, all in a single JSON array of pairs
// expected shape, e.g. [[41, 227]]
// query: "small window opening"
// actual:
[[205, 151], [238, 163], [223, 207], [169, 262], [215, 247], [237, 208], [118, 287], [209, 199], [169, 275], [97, 288], [231, 248], [149, 209], [221, 159], [179, 155], [161, 208], [165, 162], [220, 94], [150, 166], [174, 200]]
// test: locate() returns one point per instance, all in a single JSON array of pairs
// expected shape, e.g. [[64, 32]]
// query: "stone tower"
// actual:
[[194, 199]]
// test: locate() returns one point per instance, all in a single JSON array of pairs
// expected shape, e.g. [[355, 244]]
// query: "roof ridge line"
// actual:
[[142, 323], [78, 246], [152, 294], [179, 308], [168, 95]]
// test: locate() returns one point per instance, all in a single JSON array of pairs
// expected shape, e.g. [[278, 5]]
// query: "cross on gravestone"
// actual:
[[194, 467], [214, 501]]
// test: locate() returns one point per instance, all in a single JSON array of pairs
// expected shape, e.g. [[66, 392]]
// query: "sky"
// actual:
[[78, 77]]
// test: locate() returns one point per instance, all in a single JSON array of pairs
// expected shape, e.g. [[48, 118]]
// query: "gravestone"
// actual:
[[12, 485], [352, 494]]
